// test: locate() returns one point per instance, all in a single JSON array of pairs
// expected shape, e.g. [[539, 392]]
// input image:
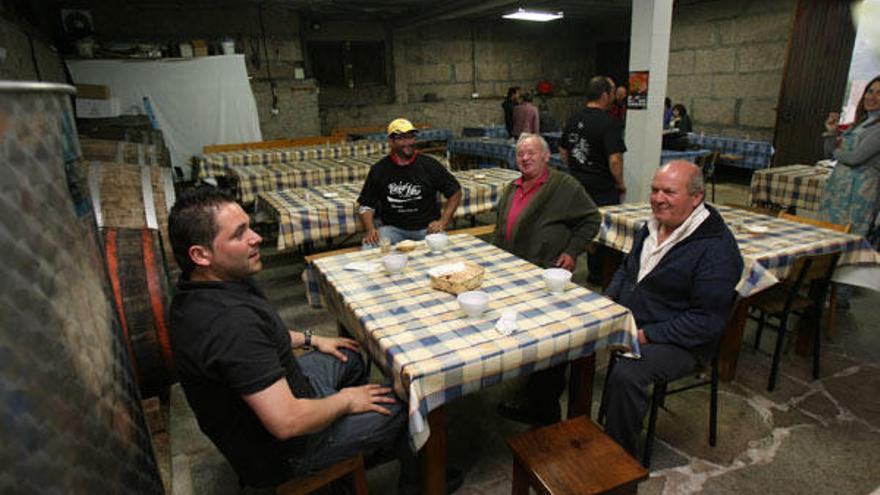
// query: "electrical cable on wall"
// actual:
[[30, 38], [268, 64]]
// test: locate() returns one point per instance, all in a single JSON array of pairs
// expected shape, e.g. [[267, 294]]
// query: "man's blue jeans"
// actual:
[[396, 234], [364, 433]]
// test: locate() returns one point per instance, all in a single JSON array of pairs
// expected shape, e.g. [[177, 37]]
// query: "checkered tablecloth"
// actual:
[[434, 353], [755, 154], [493, 131], [798, 186], [423, 136], [255, 179], [689, 155], [318, 213], [219, 164], [767, 256]]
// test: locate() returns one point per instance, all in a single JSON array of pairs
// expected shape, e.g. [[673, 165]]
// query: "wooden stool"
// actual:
[[353, 466], [572, 457]]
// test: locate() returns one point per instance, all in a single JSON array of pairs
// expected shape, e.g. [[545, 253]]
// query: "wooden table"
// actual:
[[434, 354]]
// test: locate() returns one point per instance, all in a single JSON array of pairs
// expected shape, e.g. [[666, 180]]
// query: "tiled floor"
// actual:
[[808, 437]]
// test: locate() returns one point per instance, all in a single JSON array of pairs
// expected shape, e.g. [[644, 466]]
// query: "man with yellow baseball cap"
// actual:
[[400, 193]]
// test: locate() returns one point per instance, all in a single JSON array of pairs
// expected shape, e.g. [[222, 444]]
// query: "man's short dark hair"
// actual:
[[597, 86], [191, 222]]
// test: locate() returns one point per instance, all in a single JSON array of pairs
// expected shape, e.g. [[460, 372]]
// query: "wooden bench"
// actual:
[[573, 456], [353, 467], [475, 231]]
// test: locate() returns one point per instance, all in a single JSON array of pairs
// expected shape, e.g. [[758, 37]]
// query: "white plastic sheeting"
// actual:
[[196, 102]]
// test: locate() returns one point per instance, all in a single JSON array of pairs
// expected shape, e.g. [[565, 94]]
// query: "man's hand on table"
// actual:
[[565, 261], [331, 345], [436, 226], [372, 236], [367, 398]]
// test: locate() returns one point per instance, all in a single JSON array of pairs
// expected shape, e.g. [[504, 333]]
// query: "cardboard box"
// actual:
[[93, 91], [87, 108], [200, 48]]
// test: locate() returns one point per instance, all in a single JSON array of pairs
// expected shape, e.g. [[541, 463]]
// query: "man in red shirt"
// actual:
[[547, 218]]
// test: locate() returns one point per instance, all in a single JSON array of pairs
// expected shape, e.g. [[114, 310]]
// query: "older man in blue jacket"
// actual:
[[679, 282]]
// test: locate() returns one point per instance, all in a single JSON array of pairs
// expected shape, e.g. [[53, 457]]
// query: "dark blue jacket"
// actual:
[[686, 298]]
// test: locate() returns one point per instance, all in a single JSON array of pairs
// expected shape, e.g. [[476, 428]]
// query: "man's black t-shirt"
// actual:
[[229, 342], [590, 137], [405, 196]]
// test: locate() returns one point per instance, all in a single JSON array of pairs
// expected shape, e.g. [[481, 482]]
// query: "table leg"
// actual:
[[520, 485], [731, 341], [806, 328], [432, 457], [580, 386]]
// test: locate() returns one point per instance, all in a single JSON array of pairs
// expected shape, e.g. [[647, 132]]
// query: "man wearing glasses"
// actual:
[[401, 191]]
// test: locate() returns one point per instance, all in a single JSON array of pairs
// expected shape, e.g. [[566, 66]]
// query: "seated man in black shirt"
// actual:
[[273, 416], [402, 187]]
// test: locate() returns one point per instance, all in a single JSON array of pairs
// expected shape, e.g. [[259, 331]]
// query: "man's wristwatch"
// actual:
[[308, 342]]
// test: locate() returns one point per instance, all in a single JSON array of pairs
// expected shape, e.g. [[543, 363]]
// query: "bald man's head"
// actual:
[[677, 189]]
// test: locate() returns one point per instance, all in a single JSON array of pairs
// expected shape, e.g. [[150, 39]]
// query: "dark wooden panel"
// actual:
[[814, 78]]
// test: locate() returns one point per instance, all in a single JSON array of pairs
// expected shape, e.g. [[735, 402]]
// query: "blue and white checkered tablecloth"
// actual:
[[310, 214], [755, 154], [255, 179], [767, 256], [689, 155], [434, 353], [424, 135], [494, 131], [795, 186], [221, 163]]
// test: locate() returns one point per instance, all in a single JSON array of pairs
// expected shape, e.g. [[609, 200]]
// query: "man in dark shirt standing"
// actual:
[[401, 189], [509, 103], [592, 146], [273, 416]]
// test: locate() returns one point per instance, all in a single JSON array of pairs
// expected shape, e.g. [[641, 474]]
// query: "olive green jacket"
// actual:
[[561, 217]]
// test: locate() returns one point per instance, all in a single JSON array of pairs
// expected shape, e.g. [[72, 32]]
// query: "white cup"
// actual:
[[437, 242], [556, 278], [473, 302], [394, 263]]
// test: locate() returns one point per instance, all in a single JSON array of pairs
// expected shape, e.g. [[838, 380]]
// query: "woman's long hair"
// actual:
[[861, 113]]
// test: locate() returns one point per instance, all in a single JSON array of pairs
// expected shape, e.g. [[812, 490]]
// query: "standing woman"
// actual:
[[852, 194]]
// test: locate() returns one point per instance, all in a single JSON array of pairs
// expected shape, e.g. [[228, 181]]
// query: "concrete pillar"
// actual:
[[649, 50]]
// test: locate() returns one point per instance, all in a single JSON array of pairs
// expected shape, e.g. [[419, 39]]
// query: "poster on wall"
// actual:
[[638, 90]]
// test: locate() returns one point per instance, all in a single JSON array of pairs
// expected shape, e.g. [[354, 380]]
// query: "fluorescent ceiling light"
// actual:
[[533, 15]]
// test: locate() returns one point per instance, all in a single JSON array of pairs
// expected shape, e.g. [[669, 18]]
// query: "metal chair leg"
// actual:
[[713, 405], [760, 330], [657, 397], [777, 352]]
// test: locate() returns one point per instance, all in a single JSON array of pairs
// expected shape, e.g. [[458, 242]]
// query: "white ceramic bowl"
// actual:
[[556, 278], [394, 263], [473, 302], [437, 242]]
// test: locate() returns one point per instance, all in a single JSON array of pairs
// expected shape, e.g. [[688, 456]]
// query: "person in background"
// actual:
[[544, 217], [401, 191], [512, 100], [667, 112], [680, 119], [618, 106], [852, 193], [546, 118], [525, 117]]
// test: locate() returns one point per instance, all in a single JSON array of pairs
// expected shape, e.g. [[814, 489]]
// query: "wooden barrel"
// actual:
[[72, 420], [141, 294], [107, 150], [134, 197]]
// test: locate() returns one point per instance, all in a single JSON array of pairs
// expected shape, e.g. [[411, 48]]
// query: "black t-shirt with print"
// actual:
[[590, 137], [405, 196]]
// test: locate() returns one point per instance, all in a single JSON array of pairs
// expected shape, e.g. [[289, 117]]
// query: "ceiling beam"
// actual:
[[454, 10]]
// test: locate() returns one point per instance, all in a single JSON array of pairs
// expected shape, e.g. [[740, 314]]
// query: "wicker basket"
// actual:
[[455, 283]]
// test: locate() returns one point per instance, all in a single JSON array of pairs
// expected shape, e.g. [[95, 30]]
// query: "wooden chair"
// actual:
[[707, 164], [353, 467], [832, 298], [572, 456], [807, 286], [658, 400]]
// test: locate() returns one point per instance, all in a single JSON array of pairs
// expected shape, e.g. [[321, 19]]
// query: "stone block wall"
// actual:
[[726, 61]]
